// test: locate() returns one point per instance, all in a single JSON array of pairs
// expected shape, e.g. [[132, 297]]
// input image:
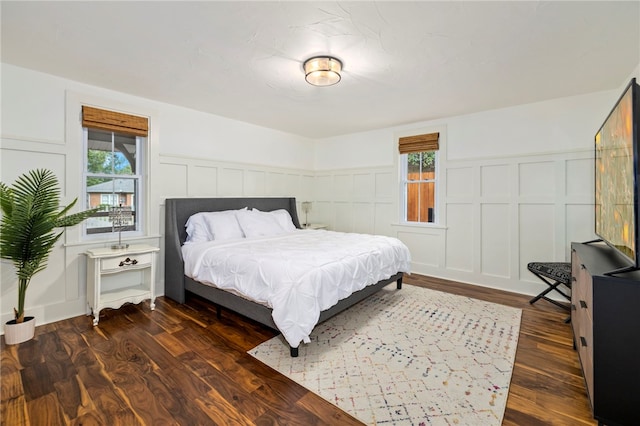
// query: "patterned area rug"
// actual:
[[409, 357]]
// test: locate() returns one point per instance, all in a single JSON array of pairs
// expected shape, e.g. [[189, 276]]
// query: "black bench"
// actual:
[[554, 275]]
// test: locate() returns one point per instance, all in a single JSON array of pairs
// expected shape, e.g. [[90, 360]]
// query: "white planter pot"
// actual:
[[18, 333]]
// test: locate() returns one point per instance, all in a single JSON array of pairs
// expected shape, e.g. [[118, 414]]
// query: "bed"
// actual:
[[177, 283]]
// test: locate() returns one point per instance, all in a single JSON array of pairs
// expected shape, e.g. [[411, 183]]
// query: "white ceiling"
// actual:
[[403, 61]]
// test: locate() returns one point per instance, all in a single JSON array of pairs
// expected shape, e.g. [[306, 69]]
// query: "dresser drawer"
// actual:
[[129, 261], [584, 343]]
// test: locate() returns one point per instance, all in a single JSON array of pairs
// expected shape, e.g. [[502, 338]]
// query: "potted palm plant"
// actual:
[[30, 215]]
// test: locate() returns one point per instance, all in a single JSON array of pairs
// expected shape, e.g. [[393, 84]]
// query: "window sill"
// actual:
[[418, 225]]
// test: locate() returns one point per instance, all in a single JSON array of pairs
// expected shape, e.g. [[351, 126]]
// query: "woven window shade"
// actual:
[[112, 121], [419, 143]]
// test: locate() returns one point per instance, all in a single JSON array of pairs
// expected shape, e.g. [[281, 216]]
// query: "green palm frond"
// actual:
[[30, 214]]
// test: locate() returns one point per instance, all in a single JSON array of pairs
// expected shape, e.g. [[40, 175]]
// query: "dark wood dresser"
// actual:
[[605, 316]]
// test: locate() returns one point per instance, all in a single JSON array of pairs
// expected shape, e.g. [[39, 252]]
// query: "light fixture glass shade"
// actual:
[[322, 70], [306, 208]]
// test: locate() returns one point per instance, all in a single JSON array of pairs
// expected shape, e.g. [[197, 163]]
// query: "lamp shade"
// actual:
[[322, 70]]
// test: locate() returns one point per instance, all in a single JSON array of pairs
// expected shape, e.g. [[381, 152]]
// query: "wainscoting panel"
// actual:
[[495, 239], [342, 187], [425, 246], [323, 212], [580, 219], [36, 160], [203, 181], [304, 191], [254, 183], [460, 237], [383, 216], [494, 180], [344, 213], [580, 178], [499, 214], [537, 179], [363, 219], [537, 236], [384, 186], [215, 178], [460, 181], [231, 182], [277, 184], [364, 186], [293, 186], [172, 178], [323, 188]]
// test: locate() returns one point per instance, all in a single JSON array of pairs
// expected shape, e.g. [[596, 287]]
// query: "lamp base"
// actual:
[[119, 246]]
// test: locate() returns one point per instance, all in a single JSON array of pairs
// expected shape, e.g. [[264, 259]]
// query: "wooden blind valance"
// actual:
[[419, 143], [112, 121]]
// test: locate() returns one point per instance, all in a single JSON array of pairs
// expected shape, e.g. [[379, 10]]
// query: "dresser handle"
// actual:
[[582, 266], [128, 262], [583, 304], [583, 341], [573, 279]]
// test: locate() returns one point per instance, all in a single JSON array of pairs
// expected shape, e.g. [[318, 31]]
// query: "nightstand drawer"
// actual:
[[127, 261]]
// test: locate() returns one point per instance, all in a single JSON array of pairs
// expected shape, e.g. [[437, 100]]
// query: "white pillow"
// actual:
[[223, 225], [283, 217], [197, 229], [209, 226], [255, 223]]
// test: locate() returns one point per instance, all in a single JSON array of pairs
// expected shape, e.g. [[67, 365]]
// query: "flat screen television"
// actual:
[[617, 178]]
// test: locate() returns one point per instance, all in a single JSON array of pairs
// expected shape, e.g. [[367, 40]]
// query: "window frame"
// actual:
[[404, 182], [138, 197], [399, 195]]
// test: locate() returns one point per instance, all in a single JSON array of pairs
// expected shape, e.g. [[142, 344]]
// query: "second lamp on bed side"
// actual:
[[306, 208]]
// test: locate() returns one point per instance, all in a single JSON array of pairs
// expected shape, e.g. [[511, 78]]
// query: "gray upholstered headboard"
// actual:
[[178, 211]]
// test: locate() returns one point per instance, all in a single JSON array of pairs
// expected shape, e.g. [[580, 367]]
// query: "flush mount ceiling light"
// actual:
[[322, 70]]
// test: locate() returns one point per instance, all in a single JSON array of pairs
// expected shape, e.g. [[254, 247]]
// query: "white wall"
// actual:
[[516, 183], [516, 186], [191, 154]]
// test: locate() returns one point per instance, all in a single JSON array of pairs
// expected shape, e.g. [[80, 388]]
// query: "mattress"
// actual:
[[299, 274]]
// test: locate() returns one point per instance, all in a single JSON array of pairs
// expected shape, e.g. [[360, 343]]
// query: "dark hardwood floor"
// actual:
[[181, 365]]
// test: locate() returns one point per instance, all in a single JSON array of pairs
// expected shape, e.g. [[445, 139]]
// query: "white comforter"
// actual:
[[298, 274]]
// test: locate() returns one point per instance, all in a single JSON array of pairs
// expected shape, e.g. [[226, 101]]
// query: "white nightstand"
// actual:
[[316, 226], [115, 277]]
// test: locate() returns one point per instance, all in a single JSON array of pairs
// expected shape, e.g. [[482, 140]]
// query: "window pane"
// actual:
[[420, 202], [413, 165], [125, 155], [111, 153], [107, 193], [412, 193], [421, 165], [99, 152], [427, 201], [428, 165]]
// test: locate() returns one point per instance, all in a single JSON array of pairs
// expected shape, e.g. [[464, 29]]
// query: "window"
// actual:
[[419, 166], [113, 152]]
